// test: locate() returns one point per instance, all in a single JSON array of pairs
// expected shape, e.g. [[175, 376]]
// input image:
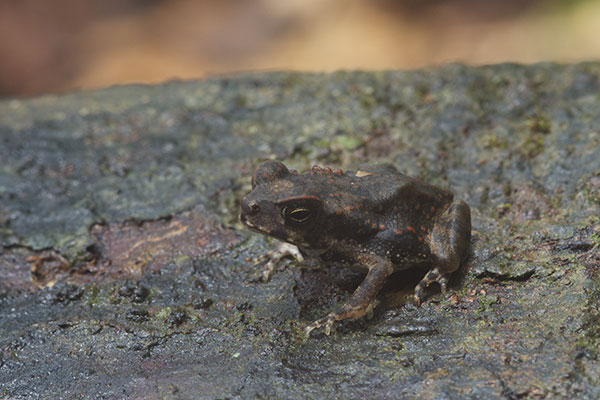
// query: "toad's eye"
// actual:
[[296, 215], [301, 211]]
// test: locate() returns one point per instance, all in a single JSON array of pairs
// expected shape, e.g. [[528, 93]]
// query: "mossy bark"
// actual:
[[125, 273]]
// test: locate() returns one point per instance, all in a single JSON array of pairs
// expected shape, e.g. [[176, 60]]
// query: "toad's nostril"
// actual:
[[250, 207]]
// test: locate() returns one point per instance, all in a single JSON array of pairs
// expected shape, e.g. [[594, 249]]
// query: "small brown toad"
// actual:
[[377, 219]]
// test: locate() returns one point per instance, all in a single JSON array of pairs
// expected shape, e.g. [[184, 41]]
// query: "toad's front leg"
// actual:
[[363, 298], [284, 250]]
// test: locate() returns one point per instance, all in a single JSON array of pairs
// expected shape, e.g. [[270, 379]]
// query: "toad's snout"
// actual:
[[249, 207]]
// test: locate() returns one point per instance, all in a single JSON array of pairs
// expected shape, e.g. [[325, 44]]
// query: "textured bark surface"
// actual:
[[124, 272]]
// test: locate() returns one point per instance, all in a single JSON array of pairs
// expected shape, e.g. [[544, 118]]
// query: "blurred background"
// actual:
[[54, 46]]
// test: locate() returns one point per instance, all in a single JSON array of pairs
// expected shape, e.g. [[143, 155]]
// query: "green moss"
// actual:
[[591, 328], [596, 238], [493, 141], [486, 302], [531, 145], [501, 210], [539, 124], [589, 186], [348, 142], [163, 313], [94, 296]]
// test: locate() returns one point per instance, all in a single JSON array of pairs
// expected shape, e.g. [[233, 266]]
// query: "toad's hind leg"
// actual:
[[450, 239], [362, 300]]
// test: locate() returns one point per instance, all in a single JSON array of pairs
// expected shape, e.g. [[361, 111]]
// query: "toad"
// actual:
[[376, 219]]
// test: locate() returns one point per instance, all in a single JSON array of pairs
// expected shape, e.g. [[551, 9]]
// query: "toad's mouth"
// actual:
[[276, 234]]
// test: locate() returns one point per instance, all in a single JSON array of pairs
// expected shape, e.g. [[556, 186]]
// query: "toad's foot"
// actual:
[[346, 312], [432, 276], [327, 321], [284, 250]]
